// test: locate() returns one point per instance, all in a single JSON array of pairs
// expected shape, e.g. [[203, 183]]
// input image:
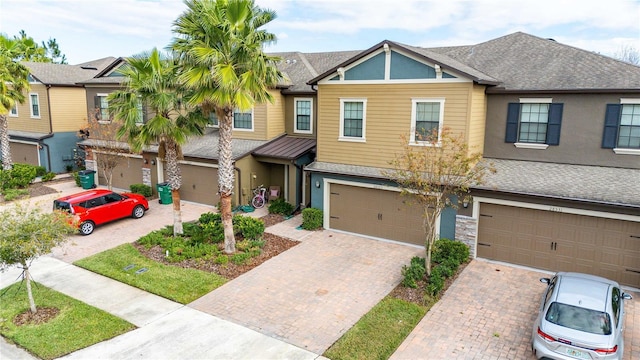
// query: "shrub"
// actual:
[[436, 280], [209, 217], [250, 228], [48, 176], [69, 168], [142, 189], [279, 206], [40, 171], [76, 177], [311, 219], [240, 258], [221, 259], [414, 272], [12, 194], [152, 239], [445, 249], [22, 175]]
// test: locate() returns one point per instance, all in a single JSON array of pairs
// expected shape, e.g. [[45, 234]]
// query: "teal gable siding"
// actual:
[[60, 151], [403, 67], [447, 76], [372, 69]]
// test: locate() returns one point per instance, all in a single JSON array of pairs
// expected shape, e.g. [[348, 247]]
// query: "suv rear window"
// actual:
[[577, 318], [61, 205]]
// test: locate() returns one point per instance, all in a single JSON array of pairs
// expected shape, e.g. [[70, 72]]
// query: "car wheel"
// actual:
[[138, 212], [86, 228]]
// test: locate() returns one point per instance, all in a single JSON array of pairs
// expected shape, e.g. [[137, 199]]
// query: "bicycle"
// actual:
[[259, 198]]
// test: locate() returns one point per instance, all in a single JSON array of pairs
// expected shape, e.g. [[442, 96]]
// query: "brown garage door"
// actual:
[[24, 153], [128, 171], [373, 212], [561, 242], [199, 184]]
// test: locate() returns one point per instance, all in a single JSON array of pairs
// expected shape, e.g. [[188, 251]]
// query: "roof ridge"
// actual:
[[306, 63]]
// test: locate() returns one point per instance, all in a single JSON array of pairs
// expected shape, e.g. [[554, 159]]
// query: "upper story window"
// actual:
[[213, 119], [534, 123], [34, 105], [303, 115], [353, 119], [13, 112], [141, 113], [243, 120], [622, 127], [427, 116], [102, 107]]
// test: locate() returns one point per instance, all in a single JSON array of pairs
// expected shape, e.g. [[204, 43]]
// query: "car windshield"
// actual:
[[577, 318], [61, 205]]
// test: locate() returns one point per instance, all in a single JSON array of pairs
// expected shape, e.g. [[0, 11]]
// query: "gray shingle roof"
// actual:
[[59, 74], [300, 67], [526, 62], [601, 184]]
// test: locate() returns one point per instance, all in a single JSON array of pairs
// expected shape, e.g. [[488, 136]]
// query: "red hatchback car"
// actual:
[[99, 206]]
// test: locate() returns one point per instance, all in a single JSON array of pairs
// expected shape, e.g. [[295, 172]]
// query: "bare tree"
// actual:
[[107, 150], [435, 173], [628, 54]]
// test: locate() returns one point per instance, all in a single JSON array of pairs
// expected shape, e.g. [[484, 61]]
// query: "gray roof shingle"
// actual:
[[66, 75], [618, 186]]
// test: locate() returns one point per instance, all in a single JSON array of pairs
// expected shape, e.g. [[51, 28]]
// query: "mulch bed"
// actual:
[[42, 315]]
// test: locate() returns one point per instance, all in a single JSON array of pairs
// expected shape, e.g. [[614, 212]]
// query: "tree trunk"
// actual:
[[27, 278], [175, 181], [431, 234], [226, 176], [5, 149]]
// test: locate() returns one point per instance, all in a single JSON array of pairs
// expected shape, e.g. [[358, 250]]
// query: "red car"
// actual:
[[99, 206]]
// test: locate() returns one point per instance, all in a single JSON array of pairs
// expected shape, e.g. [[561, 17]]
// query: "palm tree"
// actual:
[[152, 81], [13, 85], [220, 44]]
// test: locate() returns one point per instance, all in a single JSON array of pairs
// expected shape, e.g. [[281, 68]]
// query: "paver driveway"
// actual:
[[488, 313], [310, 295]]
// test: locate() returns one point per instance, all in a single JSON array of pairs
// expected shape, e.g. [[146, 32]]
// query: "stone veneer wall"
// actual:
[[466, 230]]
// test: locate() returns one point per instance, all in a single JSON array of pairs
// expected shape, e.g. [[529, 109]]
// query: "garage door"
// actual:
[[199, 184], [24, 153], [374, 212], [561, 242], [128, 171]]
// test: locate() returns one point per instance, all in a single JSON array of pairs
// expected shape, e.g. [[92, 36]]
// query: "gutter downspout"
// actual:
[[239, 192], [43, 144], [50, 128], [299, 184]]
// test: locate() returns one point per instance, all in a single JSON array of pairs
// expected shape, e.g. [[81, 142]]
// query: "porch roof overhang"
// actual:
[[28, 135], [286, 147]]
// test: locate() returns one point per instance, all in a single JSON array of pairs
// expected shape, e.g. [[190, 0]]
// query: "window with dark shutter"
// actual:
[[611, 122], [513, 117], [554, 125]]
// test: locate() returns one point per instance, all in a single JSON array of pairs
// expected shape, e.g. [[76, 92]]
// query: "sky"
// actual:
[[88, 29]]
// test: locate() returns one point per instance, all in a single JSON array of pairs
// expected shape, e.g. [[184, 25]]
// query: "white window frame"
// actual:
[[31, 105], [342, 137], [414, 103], [233, 122], [295, 116], [103, 121], [529, 145], [215, 126], [627, 151], [13, 112]]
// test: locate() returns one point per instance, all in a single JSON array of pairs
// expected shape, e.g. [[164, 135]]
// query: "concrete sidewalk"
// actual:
[[166, 330]]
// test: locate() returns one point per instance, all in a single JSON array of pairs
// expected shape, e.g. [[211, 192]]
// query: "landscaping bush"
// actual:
[[22, 175], [142, 189], [436, 280], [250, 228], [445, 249], [279, 206], [48, 176], [40, 171], [209, 217], [76, 177], [414, 272], [311, 219]]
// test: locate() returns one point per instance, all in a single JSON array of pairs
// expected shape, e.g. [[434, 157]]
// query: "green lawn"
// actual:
[[76, 326], [172, 282], [379, 333]]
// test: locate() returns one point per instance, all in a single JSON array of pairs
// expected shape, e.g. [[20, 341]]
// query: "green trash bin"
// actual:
[[87, 179], [164, 193]]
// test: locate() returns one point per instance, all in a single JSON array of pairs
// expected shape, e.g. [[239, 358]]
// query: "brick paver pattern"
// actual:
[[488, 313], [310, 295]]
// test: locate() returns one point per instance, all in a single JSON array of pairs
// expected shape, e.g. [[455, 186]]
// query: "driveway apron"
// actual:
[[488, 313], [310, 295]]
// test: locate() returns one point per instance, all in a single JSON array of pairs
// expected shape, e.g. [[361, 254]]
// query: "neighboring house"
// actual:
[[42, 130], [561, 126], [563, 130]]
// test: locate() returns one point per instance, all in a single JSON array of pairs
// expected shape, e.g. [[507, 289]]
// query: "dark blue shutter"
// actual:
[[553, 127], [611, 122], [513, 116]]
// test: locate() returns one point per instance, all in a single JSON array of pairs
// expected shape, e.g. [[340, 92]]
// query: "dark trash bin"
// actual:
[[164, 193], [87, 179]]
